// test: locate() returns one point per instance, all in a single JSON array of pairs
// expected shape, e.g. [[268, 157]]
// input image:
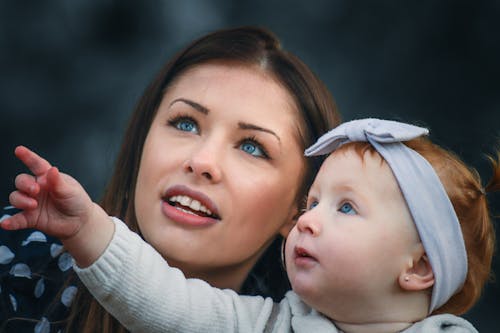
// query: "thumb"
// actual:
[[67, 194], [57, 186]]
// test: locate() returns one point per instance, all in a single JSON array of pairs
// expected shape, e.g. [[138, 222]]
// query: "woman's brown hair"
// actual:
[[252, 46]]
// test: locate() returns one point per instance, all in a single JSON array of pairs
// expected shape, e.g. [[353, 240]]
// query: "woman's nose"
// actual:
[[309, 222], [203, 162]]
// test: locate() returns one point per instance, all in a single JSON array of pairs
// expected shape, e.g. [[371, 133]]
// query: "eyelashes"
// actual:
[[248, 144], [252, 146], [184, 123], [344, 207], [347, 208]]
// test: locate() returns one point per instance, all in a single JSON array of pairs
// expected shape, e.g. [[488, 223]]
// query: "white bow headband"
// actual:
[[429, 205]]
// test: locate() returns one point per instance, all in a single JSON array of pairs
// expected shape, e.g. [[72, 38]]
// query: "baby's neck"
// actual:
[[385, 315], [372, 327]]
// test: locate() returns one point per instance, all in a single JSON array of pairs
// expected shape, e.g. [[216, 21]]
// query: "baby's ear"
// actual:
[[418, 274]]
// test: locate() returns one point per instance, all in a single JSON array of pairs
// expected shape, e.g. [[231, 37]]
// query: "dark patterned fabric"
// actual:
[[34, 293]]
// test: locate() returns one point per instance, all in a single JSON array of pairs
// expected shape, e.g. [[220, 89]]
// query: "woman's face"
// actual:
[[220, 171]]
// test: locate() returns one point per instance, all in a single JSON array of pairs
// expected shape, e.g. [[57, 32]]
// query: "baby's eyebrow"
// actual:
[[193, 104], [258, 128]]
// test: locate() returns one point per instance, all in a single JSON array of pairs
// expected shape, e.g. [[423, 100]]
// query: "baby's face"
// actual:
[[353, 241]]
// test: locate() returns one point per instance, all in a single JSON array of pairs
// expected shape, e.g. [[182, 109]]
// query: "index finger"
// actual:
[[35, 163]]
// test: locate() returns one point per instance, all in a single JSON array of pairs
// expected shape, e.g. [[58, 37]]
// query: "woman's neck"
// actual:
[[229, 277], [222, 277]]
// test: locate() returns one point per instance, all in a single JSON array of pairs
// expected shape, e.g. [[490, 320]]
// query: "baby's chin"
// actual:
[[308, 293], [305, 288], [337, 307]]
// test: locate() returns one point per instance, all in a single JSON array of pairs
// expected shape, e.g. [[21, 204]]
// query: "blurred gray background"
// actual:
[[71, 72]]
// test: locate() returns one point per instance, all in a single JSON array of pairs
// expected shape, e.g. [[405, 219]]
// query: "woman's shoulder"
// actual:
[[34, 271]]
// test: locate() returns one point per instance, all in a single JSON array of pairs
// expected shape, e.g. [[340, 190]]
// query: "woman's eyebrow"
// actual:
[[257, 128], [194, 105], [204, 110]]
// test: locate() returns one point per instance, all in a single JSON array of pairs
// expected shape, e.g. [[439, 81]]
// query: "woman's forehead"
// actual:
[[258, 96]]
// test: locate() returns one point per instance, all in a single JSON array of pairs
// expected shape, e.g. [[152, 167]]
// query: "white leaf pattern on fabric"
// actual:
[[20, 270], [25, 293], [13, 301], [43, 326], [39, 288], [36, 236], [6, 255], [67, 295], [65, 262], [56, 249]]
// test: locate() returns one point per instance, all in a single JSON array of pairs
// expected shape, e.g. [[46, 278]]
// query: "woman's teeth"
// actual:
[[190, 203]]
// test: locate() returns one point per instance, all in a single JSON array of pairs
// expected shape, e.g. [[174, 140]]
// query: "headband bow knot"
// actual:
[[431, 209], [370, 129]]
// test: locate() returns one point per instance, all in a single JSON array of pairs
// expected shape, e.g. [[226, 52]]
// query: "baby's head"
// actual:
[[360, 252]]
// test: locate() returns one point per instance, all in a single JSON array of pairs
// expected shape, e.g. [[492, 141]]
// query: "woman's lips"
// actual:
[[186, 206], [184, 217]]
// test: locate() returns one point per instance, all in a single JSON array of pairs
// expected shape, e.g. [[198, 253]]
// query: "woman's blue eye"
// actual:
[[253, 148], [347, 208], [186, 125]]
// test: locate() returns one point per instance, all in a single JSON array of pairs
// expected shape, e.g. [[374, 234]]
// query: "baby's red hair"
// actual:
[[463, 186]]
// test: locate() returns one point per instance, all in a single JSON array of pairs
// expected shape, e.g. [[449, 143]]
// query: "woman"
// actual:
[[211, 168]]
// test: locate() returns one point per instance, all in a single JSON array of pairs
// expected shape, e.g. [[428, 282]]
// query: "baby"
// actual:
[[396, 233]]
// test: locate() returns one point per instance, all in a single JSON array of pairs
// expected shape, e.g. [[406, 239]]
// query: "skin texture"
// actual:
[[337, 255], [55, 203], [314, 112], [225, 136]]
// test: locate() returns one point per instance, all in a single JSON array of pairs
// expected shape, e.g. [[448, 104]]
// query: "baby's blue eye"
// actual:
[[347, 208], [253, 148], [186, 125], [313, 204]]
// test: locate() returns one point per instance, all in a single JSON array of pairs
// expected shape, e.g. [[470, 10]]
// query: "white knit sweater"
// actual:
[[136, 285]]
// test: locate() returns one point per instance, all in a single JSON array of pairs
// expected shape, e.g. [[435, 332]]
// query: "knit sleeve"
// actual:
[[137, 286]]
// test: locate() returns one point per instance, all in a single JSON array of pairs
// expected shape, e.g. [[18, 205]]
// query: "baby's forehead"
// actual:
[[362, 167], [358, 153]]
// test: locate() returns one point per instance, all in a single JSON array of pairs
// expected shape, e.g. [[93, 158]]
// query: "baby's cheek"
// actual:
[[352, 270], [287, 250]]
